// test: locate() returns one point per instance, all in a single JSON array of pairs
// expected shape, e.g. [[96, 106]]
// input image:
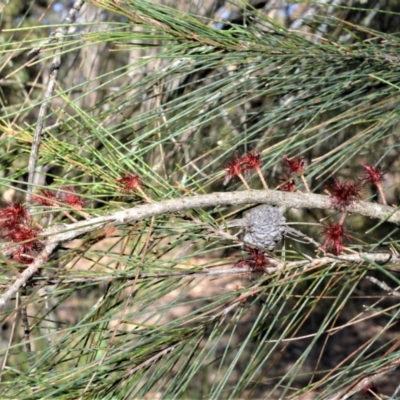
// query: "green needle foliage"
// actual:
[[168, 93]]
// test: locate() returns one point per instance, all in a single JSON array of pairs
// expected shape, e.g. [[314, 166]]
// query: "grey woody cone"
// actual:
[[264, 226]]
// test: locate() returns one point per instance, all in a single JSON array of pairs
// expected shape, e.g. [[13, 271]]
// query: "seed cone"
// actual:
[[264, 226]]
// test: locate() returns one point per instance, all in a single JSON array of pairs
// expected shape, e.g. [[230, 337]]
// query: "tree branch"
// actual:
[[62, 233]]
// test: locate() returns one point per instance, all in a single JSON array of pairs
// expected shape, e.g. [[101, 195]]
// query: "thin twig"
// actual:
[[276, 266], [10, 340], [59, 36], [361, 383], [384, 286], [25, 324], [133, 275]]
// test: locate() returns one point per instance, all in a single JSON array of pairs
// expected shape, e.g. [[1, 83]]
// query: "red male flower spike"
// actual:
[[343, 194], [334, 236]]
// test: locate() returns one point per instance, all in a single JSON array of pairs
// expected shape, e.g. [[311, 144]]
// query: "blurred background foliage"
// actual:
[[172, 90]]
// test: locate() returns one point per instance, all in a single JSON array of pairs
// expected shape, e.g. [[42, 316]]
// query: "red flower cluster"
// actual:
[[258, 261], [295, 165], [69, 196], [45, 197], [15, 224], [343, 194], [66, 195], [250, 161], [129, 183], [12, 215], [372, 174], [234, 167], [335, 235]]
